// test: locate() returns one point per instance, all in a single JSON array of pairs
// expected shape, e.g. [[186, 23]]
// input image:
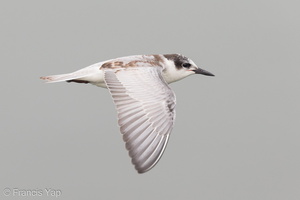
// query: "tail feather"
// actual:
[[59, 78], [85, 72], [85, 75]]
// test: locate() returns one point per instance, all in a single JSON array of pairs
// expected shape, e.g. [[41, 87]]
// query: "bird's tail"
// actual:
[[80, 76], [59, 78]]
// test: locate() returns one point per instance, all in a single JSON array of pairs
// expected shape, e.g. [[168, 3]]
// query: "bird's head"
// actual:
[[179, 67]]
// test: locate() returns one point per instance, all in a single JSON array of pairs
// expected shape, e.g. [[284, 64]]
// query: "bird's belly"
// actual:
[[95, 79]]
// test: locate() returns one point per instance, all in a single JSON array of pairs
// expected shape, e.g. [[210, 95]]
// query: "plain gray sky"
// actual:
[[236, 135]]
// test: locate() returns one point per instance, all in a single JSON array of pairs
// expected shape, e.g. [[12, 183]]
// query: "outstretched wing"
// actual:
[[146, 112]]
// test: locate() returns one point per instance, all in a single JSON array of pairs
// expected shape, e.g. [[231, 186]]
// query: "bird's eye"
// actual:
[[186, 65]]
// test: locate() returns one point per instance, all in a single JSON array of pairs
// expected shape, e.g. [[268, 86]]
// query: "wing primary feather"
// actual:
[[145, 106], [130, 127], [157, 153], [144, 148]]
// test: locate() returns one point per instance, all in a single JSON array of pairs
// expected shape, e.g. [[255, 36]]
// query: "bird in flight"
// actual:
[[144, 101]]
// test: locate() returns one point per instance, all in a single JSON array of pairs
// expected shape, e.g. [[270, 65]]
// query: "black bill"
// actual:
[[202, 71]]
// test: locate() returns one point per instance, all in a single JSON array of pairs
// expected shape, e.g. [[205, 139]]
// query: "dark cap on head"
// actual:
[[177, 58]]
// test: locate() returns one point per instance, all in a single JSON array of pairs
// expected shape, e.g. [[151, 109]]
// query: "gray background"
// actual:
[[236, 134]]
